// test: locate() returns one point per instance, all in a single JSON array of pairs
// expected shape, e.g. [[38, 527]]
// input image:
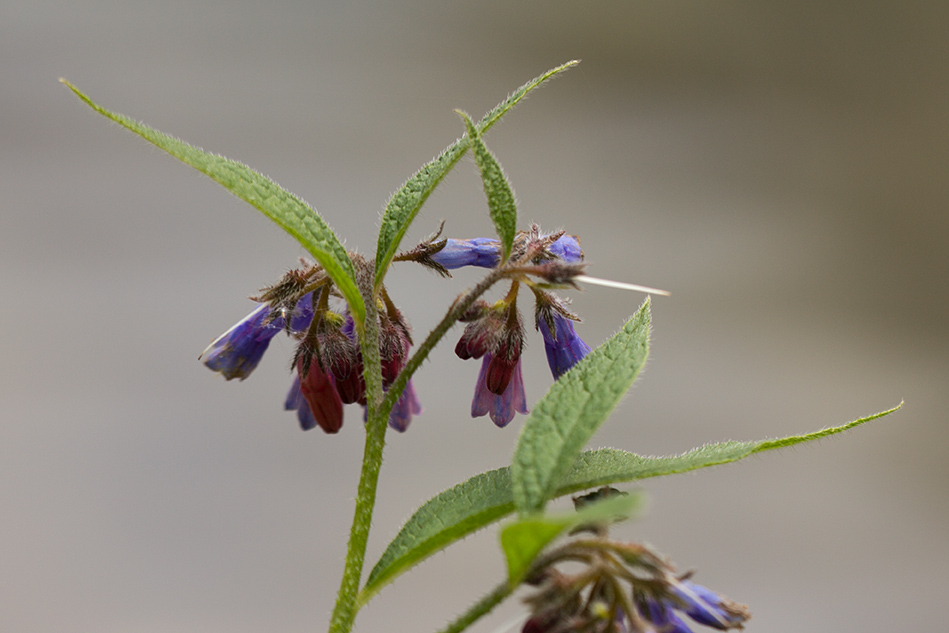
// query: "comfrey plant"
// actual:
[[354, 346]]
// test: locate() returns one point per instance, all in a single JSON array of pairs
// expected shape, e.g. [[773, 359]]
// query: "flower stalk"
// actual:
[[455, 312], [480, 609]]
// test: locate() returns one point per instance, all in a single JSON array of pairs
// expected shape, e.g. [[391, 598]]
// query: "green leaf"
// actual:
[[496, 188], [525, 538], [291, 213], [486, 498], [573, 409], [405, 203]]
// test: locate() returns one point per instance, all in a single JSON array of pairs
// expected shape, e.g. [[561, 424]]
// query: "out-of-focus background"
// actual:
[[782, 168]]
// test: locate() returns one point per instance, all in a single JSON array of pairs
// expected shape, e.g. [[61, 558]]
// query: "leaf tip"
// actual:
[[472, 131], [68, 84]]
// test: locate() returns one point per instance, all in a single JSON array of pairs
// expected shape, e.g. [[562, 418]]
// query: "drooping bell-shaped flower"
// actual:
[[236, 353], [500, 406], [497, 337], [318, 390], [296, 402], [406, 406], [563, 346], [482, 333]]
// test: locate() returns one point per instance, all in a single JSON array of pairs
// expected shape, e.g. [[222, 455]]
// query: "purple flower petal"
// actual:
[[706, 607], [296, 402], [237, 352], [665, 619], [502, 407], [567, 248], [407, 406], [564, 351], [480, 251]]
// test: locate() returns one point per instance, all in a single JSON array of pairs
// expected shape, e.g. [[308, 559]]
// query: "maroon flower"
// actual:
[[319, 391]]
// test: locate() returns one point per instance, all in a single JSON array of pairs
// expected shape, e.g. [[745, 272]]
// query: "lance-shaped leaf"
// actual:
[[525, 538], [496, 187], [488, 497], [291, 213], [573, 409], [405, 203]]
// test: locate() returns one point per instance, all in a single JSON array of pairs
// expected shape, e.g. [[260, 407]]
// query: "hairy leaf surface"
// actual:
[[496, 187], [573, 409]]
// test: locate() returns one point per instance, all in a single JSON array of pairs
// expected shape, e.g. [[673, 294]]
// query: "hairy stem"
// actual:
[[345, 611]]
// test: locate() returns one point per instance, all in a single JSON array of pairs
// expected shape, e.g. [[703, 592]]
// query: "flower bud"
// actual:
[[319, 391]]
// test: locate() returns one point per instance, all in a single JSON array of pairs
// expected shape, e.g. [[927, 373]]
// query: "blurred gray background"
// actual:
[[782, 168]]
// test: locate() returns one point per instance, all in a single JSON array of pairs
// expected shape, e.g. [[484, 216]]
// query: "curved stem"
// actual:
[[479, 609], [455, 312]]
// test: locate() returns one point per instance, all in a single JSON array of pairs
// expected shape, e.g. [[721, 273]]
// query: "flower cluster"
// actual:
[[328, 363], [495, 333], [624, 588]]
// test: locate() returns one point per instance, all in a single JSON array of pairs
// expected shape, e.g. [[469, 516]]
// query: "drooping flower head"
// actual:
[[328, 363], [623, 587], [299, 304], [496, 332]]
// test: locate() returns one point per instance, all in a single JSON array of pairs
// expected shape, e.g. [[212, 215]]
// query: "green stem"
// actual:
[[377, 417], [479, 609]]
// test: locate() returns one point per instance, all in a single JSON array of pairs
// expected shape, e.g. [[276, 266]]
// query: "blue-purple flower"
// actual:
[[485, 252], [480, 251], [564, 348], [405, 407], [663, 617], [296, 402], [236, 353], [700, 603], [707, 607], [622, 588]]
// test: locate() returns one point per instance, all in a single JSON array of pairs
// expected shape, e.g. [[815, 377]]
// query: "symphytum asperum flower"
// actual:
[[328, 362]]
